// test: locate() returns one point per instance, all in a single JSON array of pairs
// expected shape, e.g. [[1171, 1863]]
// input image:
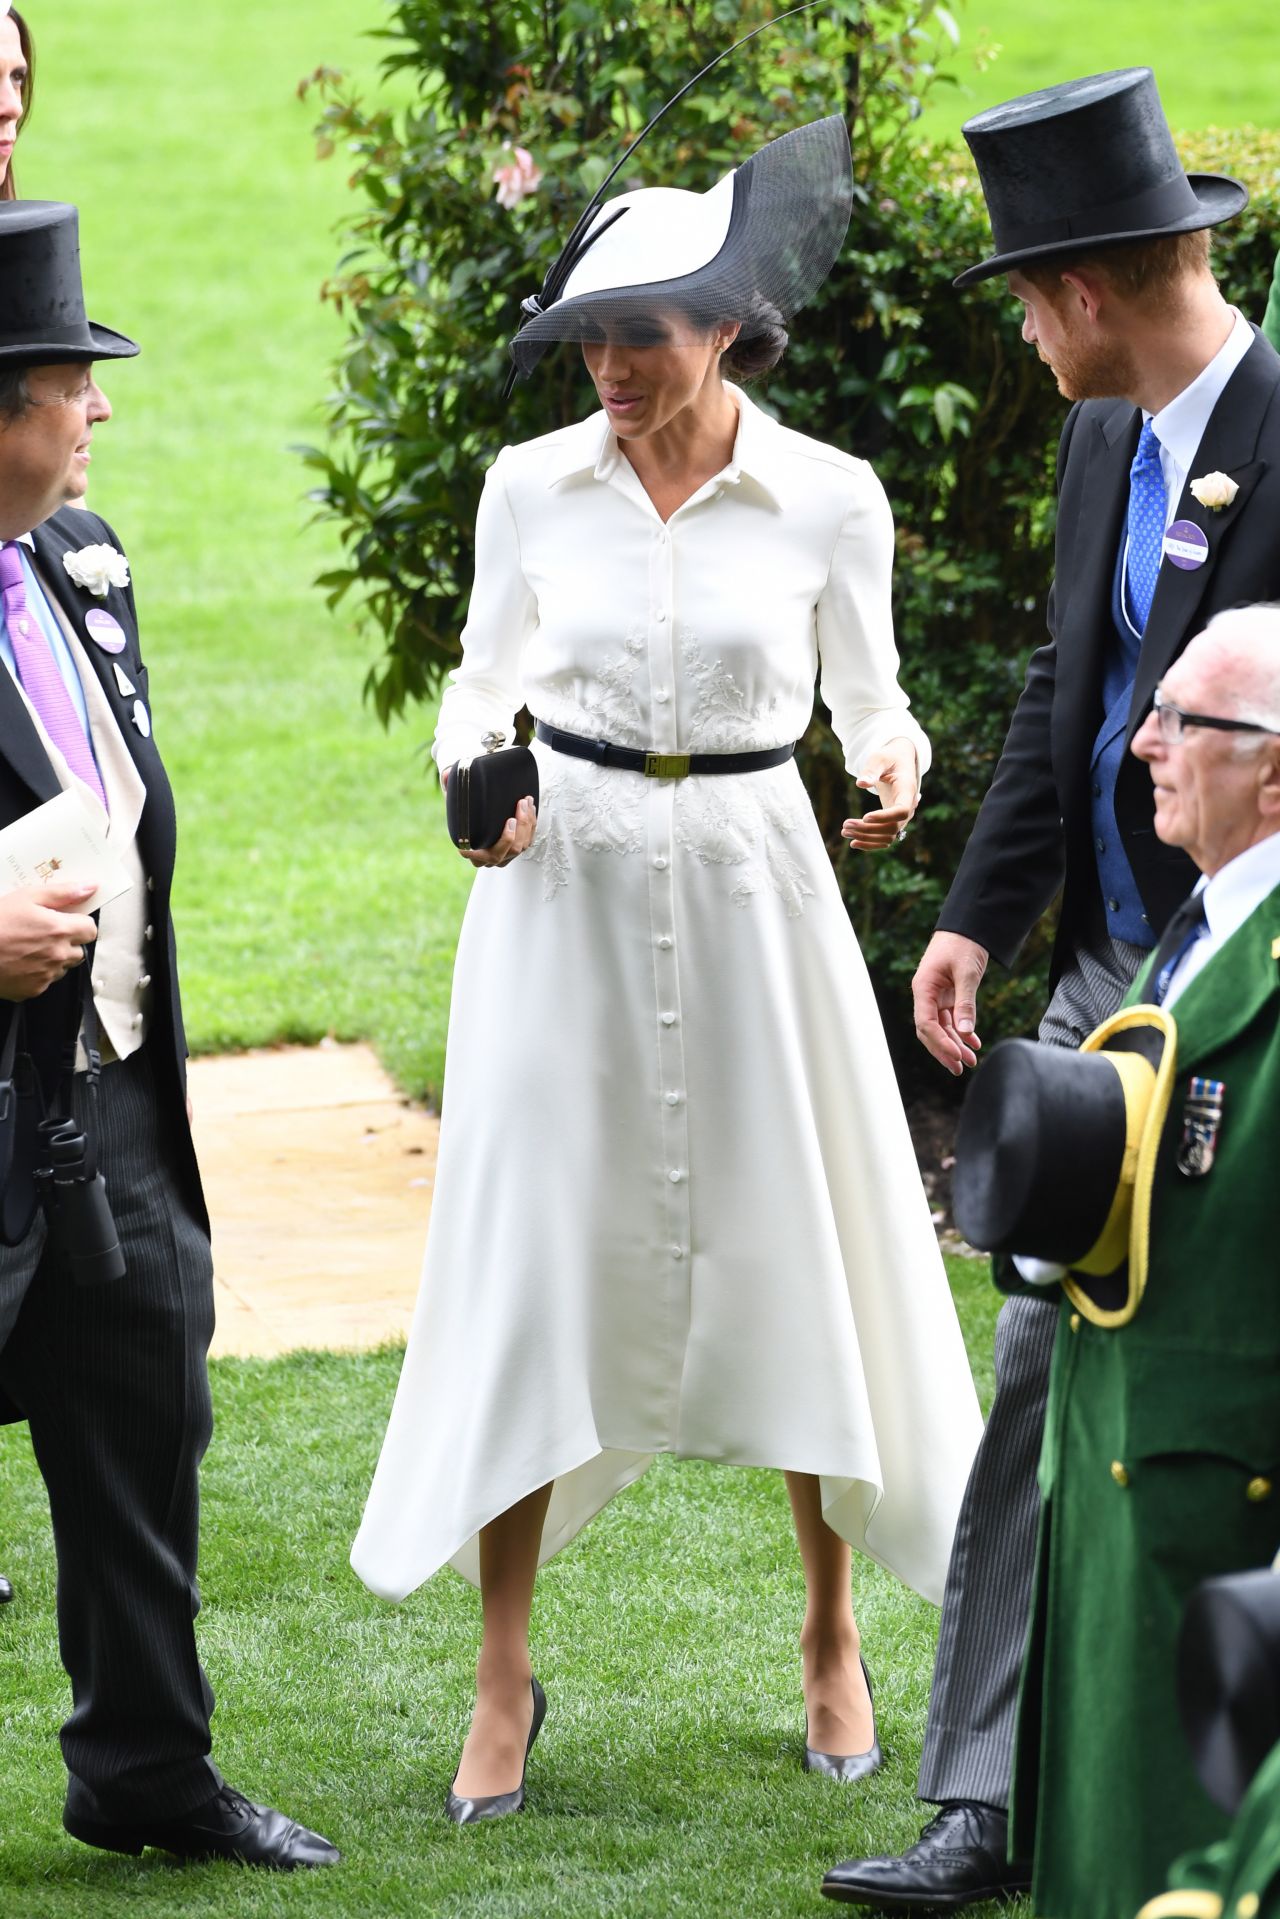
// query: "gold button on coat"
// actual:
[[1247, 1905], [1257, 1490], [1118, 1473], [1074, 1322]]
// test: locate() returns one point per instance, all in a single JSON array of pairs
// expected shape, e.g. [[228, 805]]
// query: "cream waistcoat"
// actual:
[[121, 962]]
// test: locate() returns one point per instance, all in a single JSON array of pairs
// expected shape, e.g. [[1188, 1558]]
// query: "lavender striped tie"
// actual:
[[38, 671]]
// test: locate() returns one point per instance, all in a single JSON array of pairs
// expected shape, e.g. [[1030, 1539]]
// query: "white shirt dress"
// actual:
[[676, 1206]]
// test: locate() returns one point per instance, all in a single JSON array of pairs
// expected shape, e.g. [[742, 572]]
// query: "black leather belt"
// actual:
[[660, 766]]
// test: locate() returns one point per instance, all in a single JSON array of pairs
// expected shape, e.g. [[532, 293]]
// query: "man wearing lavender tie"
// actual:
[[109, 1373]]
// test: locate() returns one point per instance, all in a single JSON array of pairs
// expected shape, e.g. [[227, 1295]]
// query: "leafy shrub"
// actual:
[[936, 388]]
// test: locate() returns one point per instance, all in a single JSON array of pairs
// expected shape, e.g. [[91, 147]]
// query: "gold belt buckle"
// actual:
[[666, 766]]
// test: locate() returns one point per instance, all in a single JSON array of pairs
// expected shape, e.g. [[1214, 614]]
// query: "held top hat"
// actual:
[[1056, 1155], [42, 317], [1085, 164], [1229, 1680]]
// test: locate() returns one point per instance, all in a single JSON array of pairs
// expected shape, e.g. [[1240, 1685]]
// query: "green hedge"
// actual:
[[936, 388]]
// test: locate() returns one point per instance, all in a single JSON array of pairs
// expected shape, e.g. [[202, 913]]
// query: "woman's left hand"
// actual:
[[894, 772]]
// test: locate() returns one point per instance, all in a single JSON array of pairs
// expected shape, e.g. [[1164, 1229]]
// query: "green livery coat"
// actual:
[[1160, 1468]]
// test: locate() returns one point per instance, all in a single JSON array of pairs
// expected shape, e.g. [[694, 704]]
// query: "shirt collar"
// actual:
[[1180, 426], [1240, 886], [592, 447]]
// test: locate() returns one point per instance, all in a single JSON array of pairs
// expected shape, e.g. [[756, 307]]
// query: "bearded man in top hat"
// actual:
[[1168, 500], [108, 1371]]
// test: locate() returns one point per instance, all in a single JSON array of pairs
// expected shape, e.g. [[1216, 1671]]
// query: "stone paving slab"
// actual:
[[319, 1177]]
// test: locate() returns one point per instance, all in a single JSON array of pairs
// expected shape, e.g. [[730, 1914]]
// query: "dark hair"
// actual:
[[8, 191], [760, 344], [15, 396]]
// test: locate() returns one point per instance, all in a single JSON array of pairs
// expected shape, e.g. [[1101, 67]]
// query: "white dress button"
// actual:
[[660, 864], [137, 1021], [665, 943], [677, 1252], [662, 696], [150, 933], [144, 980], [673, 1099], [660, 616], [675, 1176], [668, 1019]]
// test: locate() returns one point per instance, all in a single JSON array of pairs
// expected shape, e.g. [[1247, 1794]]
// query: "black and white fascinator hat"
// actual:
[[751, 251]]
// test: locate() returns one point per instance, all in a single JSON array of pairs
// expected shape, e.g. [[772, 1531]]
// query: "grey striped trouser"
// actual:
[[968, 1748], [113, 1381]]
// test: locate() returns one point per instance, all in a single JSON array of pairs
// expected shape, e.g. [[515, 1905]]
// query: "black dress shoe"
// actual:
[[958, 1859], [496, 1805], [6, 1591], [228, 1826], [848, 1766]]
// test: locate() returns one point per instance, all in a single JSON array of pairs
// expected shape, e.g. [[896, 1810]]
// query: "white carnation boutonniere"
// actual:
[[1215, 490], [97, 569]]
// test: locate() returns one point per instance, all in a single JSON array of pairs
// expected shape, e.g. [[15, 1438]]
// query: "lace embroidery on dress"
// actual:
[[741, 820], [745, 822], [604, 706], [721, 719], [592, 809]]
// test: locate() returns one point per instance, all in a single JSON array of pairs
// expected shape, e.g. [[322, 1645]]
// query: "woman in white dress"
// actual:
[[677, 1207]]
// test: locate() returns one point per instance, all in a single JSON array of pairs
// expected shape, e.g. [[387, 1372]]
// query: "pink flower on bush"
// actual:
[[516, 177]]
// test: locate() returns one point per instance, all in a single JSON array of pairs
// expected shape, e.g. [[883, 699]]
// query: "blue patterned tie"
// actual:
[[1147, 508]]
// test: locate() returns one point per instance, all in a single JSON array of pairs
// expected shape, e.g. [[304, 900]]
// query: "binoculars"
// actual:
[[73, 1194]]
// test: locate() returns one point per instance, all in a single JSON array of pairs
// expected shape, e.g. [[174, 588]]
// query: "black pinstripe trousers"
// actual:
[[113, 1381], [968, 1747]]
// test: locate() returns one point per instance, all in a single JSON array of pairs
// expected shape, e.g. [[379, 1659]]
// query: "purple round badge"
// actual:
[[107, 631], [1185, 545]]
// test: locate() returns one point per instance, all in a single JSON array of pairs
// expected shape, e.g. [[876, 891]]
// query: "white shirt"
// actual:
[[1181, 425], [703, 634], [1236, 890]]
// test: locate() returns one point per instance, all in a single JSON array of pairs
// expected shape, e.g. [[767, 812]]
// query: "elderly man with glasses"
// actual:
[[1161, 1460]]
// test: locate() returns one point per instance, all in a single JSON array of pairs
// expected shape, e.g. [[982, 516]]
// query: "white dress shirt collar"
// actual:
[[593, 447], [1180, 426], [1240, 886]]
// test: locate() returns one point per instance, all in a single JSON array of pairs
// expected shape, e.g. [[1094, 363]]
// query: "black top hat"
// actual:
[[1055, 1155], [1229, 1680], [1085, 164], [42, 318]]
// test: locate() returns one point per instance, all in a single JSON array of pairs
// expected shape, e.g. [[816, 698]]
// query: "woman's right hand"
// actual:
[[517, 834]]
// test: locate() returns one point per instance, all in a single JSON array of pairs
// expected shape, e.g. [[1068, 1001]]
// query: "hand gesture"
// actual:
[[894, 772], [945, 990]]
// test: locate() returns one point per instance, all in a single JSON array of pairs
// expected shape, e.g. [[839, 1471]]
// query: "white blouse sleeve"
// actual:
[[856, 651], [485, 691]]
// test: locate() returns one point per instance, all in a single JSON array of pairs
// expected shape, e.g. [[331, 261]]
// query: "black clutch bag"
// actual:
[[482, 797]]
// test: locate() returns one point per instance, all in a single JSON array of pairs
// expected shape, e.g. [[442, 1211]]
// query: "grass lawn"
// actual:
[[1215, 66], [667, 1779]]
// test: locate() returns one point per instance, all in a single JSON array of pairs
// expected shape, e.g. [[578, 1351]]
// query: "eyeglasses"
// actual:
[[1173, 722]]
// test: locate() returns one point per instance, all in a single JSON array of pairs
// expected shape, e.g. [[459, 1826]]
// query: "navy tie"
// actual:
[[1147, 509], [1180, 935]]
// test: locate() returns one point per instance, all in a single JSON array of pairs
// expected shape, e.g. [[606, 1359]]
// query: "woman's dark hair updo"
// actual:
[[759, 346]]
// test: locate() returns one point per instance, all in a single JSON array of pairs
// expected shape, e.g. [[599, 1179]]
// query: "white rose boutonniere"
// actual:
[[1215, 490], [97, 569]]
